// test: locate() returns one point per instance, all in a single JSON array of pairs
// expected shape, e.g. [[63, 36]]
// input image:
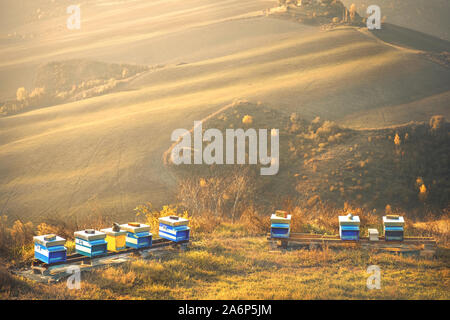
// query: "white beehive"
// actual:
[[373, 234]]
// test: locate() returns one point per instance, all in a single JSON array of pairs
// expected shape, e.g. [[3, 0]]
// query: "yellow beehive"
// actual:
[[116, 239]]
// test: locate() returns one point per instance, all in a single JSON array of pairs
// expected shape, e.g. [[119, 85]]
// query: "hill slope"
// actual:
[[105, 153], [403, 166], [430, 17]]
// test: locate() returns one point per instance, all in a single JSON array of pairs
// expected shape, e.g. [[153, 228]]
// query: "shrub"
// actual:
[[198, 224], [247, 119], [21, 94], [436, 122], [15, 242], [7, 281], [254, 223]]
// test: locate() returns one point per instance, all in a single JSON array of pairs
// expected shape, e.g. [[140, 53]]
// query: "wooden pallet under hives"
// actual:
[[42, 272], [421, 246]]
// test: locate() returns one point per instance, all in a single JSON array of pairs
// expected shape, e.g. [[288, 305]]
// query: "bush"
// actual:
[[254, 223], [7, 281], [436, 122], [247, 119], [21, 94], [198, 224], [15, 242]]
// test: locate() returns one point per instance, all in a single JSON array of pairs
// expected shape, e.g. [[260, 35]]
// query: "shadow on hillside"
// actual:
[[411, 39]]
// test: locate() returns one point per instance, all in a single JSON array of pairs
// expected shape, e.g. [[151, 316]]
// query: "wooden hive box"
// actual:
[[116, 239], [50, 248], [174, 228], [90, 243], [349, 227], [280, 225], [373, 234], [393, 227], [138, 235]]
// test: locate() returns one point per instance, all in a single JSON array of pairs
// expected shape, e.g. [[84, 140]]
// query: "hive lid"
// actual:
[[393, 222], [111, 232], [50, 237], [349, 220], [281, 213], [89, 235], [278, 219], [393, 216], [174, 221], [49, 240], [134, 224], [135, 227]]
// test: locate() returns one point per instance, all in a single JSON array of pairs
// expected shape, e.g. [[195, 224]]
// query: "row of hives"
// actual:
[[349, 227], [91, 243]]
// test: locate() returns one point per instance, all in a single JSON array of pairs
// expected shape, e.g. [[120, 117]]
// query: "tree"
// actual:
[[397, 140], [436, 122], [222, 193], [239, 189], [247, 119], [21, 94], [352, 11]]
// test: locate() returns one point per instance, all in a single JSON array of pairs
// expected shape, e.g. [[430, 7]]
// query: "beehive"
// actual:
[[90, 242], [174, 228], [280, 224], [393, 227], [116, 239], [50, 248], [349, 227], [373, 234], [138, 235]]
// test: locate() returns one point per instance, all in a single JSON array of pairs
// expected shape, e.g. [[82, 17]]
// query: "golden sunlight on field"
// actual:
[[87, 117]]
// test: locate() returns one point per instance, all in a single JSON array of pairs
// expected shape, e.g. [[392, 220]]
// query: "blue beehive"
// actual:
[[90, 243], [393, 227], [50, 248], [280, 225], [349, 227], [138, 235], [174, 228]]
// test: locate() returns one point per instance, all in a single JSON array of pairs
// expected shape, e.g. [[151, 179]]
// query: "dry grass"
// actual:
[[243, 267], [235, 261]]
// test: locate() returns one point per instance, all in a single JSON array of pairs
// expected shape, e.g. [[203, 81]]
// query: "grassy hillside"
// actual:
[[405, 166], [220, 267], [59, 82], [104, 153], [425, 16], [88, 117], [235, 261], [135, 32], [327, 12]]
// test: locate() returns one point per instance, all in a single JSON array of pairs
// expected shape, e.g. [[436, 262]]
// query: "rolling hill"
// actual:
[[104, 154], [321, 163], [425, 16]]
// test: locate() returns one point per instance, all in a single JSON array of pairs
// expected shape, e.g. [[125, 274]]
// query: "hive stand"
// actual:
[[418, 246]]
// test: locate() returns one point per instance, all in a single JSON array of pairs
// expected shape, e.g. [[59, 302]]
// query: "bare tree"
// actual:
[[223, 193]]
